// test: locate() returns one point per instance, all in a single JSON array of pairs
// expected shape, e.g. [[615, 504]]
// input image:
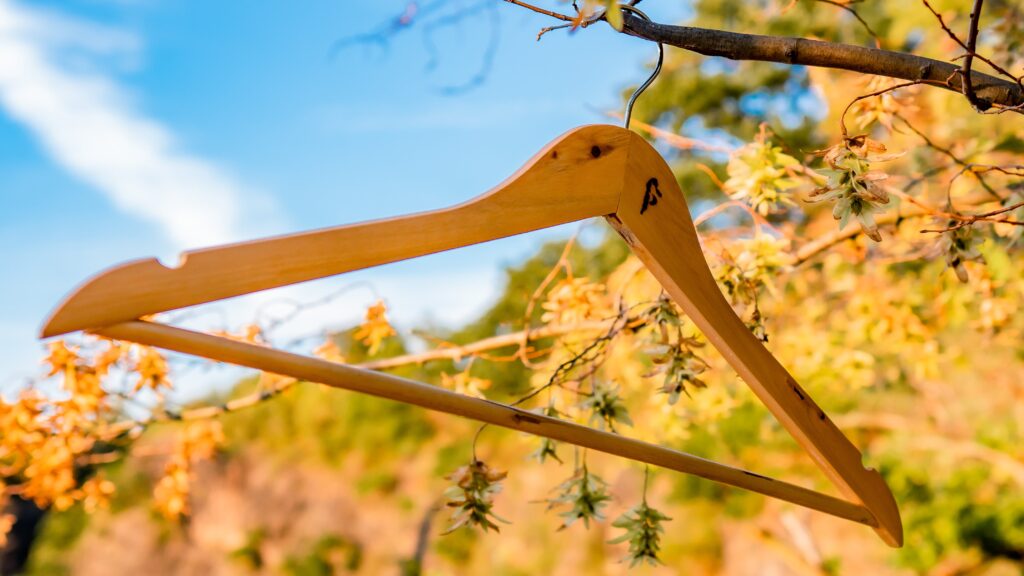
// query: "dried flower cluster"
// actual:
[[472, 496], [883, 108], [196, 442], [548, 448], [643, 532], [959, 245], [465, 383], [585, 494], [44, 439], [575, 300], [761, 174], [852, 185], [748, 267], [375, 328], [606, 407], [673, 353]]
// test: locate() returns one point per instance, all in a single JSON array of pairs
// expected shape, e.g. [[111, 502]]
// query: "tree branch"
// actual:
[[915, 210], [972, 43], [501, 341], [788, 50], [863, 22], [544, 11], [968, 50]]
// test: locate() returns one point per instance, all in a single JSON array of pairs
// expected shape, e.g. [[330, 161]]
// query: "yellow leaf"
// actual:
[[375, 328], [613, 14]]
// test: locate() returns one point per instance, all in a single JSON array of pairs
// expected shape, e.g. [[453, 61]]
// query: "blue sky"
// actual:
[[136, 128]]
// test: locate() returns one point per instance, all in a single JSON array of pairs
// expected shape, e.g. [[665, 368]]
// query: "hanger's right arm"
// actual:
[[654, 219], [577, 176]]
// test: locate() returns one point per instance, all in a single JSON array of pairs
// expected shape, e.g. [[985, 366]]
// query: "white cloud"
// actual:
[[52, 81]]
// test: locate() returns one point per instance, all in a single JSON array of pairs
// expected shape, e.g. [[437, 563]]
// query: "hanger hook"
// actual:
[[657, 68]]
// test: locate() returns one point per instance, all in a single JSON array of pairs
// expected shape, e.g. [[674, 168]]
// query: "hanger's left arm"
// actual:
[[577, 176]]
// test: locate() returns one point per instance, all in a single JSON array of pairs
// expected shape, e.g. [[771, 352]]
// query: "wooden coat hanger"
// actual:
[[588, 172]]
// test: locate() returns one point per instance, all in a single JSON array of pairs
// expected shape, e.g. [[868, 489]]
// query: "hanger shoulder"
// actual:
[[654, 219], [577, 176]]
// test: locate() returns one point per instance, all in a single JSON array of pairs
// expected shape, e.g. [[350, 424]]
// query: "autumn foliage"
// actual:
[[869, 238]]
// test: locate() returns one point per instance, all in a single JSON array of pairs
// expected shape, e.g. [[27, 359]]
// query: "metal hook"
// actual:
[[657, 68]]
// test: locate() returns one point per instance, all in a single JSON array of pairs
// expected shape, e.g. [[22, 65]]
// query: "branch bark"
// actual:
[[802, 51]]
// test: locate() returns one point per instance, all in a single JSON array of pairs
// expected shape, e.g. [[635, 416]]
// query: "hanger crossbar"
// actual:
[[438, 399]]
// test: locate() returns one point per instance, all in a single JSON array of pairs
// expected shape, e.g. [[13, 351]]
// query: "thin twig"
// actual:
[[949, 154], [492, 343], [589, 354], [955, 38], [972, 43], [822, 243], [842, 118], [544, 11], [547, 29], [878, 40]]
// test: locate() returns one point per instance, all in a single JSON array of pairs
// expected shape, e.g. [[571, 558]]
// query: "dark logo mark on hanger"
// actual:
[[800, 394], [651, 195], [520, 416]]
